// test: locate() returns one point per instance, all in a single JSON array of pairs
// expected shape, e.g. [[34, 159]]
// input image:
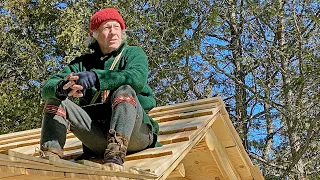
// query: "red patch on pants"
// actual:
[[124, 98], [51, 109]]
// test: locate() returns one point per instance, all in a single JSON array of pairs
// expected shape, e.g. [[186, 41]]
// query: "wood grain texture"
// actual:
[[184, 105], [178, 172], [20, 134], [181, 116], [184, 150], [184, 110], [202, 166]]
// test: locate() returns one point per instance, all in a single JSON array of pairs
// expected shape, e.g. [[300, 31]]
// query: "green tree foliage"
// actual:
[[261, 56]]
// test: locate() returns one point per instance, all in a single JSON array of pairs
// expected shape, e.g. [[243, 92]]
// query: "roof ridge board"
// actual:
[[185, 110], [185, 104]]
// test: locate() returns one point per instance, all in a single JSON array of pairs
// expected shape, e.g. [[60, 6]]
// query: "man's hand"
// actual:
[[71, 83]]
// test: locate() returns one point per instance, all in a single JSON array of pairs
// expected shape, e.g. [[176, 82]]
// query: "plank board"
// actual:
[[7, 172], [239, 165], [20, 134], [26, 143], [185, 110], [185, 123], [31, 174], [24, 138], [23, 166], [184, 105], [180, 116]]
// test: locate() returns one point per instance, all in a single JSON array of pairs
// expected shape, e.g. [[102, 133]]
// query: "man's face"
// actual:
[[109, 36]]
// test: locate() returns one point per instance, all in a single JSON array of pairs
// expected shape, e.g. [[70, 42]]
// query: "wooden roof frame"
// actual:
[[199, 140]]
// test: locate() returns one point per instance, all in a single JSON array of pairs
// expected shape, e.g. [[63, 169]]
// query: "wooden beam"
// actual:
[[185, 110], [187, 115], [238, 142], [184, 105], [185, 123], [23, 166], [178, 172], [19, 134], [11, 172], [221, 157], [24, 138], [151, 155], [27, 143], [183, 129], [256, 173]]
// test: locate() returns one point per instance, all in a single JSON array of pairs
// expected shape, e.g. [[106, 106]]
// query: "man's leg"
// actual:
[[62, 115], [127, 130]]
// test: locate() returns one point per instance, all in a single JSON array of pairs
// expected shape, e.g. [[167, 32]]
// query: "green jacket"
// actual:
[[131, 69]]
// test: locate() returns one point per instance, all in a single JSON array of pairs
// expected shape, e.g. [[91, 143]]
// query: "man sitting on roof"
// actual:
[[114, 79]]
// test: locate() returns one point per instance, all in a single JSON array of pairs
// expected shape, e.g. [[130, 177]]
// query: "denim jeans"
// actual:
[[90, 129]]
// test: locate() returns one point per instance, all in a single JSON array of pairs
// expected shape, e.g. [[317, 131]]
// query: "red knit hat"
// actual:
[[103, 15]]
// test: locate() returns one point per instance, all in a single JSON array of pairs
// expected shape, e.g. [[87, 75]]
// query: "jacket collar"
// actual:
[[97, 51]]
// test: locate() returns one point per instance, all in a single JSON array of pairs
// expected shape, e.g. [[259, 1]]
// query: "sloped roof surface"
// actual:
[[199, 142]]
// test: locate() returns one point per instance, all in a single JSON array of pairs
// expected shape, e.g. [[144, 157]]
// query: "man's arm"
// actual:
[[49, 89]]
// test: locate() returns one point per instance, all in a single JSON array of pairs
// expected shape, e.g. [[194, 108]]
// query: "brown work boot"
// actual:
[[45, 153], [116, 149]]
